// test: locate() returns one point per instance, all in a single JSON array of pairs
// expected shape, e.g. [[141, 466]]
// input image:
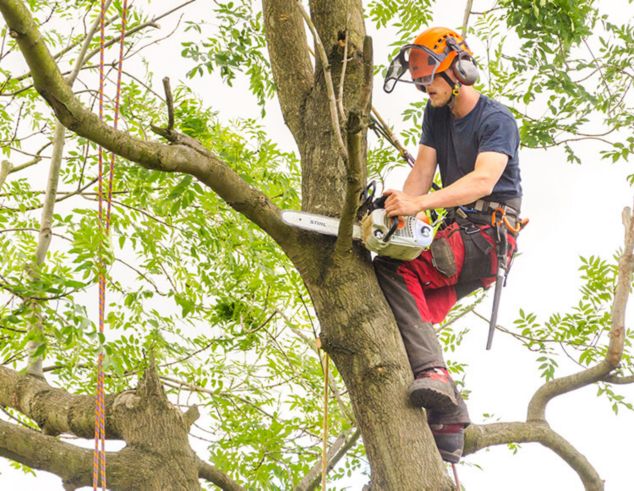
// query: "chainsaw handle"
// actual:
[[392, 229], [379, 202]]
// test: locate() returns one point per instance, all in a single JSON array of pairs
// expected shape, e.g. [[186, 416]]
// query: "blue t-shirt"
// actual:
[[489, 127]]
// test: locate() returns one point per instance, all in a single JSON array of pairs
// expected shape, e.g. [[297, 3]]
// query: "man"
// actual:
[[474, 142]]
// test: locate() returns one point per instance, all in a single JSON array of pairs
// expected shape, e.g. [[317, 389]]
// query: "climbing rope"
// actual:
[[324, 447], [99, 454], [377, 124], [382, 130], [455, 477]]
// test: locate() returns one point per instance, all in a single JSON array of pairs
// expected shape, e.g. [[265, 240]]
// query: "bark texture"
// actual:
[[157, 454]]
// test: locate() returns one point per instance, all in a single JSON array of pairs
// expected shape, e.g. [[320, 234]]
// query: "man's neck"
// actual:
[[465, 101]]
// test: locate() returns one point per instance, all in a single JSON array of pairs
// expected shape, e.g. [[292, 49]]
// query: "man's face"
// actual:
[[439, 91]]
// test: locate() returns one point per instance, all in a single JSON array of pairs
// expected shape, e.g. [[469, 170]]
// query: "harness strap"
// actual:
[[487, 206]]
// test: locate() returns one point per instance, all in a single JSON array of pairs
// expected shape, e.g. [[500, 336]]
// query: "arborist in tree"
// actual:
[[473, 141]]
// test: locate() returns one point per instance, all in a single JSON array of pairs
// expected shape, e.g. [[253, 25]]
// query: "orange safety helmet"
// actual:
[[433, 52]]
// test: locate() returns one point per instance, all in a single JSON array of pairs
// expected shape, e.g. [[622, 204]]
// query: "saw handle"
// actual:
[[392, 229], [379, 202]]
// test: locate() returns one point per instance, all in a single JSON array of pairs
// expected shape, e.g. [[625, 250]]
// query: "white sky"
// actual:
[[574, 210]]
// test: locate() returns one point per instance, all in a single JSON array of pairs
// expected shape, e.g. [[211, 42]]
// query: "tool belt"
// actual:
[[483, 212], [489, 218]]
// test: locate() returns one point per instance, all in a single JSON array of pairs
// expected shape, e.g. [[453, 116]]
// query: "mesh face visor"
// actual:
[[414, 64]]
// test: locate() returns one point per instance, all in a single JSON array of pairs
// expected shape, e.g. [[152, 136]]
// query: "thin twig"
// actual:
[[170, 103], [343, 71], [465, 20]]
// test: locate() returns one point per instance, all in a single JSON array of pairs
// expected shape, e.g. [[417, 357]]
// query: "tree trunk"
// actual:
[[360, 334], [358, 329]]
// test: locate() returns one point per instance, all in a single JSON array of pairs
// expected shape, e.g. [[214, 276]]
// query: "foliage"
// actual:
[[209, 294], [190, 280], [583, 331], [237, 48]]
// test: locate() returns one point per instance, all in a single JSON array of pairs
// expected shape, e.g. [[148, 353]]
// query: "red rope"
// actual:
[[455, 477], [99, 454]]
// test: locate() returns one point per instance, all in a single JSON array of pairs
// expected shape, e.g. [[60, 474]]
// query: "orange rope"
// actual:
[[99, 454]]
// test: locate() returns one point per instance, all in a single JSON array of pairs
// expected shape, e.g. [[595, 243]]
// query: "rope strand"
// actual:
[[99, 455], [324, 449]]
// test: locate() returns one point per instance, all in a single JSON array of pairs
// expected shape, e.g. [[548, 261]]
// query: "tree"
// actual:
[[234, 270]]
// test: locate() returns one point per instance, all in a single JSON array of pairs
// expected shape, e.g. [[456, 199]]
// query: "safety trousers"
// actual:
[[422, 291]]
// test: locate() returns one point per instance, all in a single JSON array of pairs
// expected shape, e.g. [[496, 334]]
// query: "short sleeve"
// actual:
[[427, 137], [499, 134]]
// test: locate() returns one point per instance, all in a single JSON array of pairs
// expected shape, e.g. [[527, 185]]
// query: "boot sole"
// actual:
[[432, 395]]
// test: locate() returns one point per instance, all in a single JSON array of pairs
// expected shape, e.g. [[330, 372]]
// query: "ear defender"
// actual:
[[464, 66], [465, 69]]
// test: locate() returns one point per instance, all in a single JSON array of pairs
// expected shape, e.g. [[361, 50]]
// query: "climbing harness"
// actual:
[[502, 219], [99, 454]]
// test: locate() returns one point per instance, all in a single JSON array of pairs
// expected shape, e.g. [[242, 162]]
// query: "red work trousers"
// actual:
[[422, 291]]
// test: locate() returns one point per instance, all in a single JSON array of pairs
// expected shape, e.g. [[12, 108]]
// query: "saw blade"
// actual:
[[316, 223]]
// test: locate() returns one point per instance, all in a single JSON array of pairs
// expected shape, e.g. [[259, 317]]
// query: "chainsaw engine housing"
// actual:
[[406, 243]]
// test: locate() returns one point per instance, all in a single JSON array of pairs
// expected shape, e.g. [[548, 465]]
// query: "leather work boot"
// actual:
[[449, 441], [433, 389]]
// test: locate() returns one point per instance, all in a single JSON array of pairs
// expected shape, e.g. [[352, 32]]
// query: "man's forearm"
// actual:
[[465, 190], [418, 181]]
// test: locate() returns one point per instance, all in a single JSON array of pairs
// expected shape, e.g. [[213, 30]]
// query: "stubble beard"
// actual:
[[440, 103]]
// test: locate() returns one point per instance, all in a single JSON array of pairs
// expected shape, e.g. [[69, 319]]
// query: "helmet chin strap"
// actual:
[[455, 89]]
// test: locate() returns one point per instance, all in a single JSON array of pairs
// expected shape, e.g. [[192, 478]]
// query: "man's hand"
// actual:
[[400, 204]]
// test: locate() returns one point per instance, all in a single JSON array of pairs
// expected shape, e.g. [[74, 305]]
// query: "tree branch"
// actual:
[[5, 169], [44, 452], [356, 129], [465, 20], [290, 62], [169, 100], [614, 379], [623, 286], [559, 386], [184, 155], [337, 451], [483, 436], [330, 89], [54, 410], [348, 215], [214, 475], [46, 220]]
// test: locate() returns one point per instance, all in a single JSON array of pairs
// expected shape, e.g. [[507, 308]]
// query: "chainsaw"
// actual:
[[401, 238]]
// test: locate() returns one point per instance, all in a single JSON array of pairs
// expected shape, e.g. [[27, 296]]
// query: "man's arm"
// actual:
[[421, 176], [480, 182]]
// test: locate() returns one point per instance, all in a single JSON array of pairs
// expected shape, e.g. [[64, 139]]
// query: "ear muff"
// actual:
[[464, 66], [465, 69]]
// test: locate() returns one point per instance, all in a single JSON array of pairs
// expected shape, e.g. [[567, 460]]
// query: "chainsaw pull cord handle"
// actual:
[[392, 229], [380, 203]]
